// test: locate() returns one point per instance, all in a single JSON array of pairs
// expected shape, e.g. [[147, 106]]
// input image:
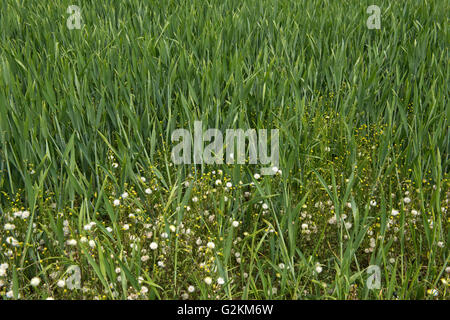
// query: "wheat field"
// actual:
[[92, 205]]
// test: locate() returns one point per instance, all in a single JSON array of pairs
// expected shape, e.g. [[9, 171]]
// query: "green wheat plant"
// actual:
[[93, 207]]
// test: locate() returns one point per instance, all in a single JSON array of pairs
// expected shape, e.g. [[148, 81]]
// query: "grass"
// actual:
[[364, 150]]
